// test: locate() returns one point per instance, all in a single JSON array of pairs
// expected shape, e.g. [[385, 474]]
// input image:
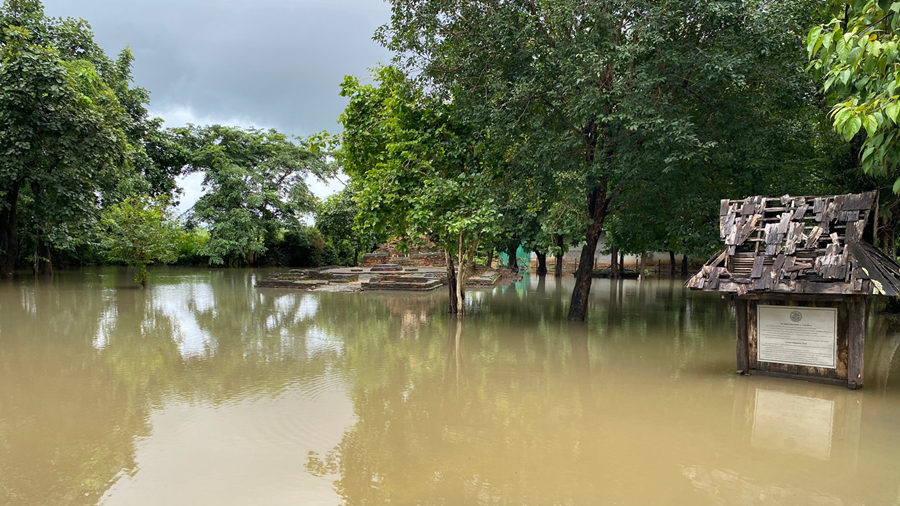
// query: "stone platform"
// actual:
[[353, 279], [484, 279], [413, 282]]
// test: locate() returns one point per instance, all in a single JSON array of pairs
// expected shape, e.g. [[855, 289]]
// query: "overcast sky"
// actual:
[[265, 63]]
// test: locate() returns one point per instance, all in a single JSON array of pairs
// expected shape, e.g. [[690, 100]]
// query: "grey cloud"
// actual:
[[274, 63]]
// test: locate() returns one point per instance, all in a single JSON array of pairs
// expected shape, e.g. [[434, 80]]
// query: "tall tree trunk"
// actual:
[[613, 260], [542, 263], [672, 264], [684, 265], [451, 282], [511, 258], [41, 263], [621, 264], [461, 278], [35, 255], [558, 272], [490, 258], [9, 236], [466, 261], [643, 270], [46, 264], [584, 275]]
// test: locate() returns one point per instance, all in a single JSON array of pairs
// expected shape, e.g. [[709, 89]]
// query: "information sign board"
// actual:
[[797, 335]]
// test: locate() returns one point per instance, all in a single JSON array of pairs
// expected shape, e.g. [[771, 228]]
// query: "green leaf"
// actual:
[[846, 74], [851, 127], [814, 40], [842, 49], [871, 125], [892, 110], [842, 115]]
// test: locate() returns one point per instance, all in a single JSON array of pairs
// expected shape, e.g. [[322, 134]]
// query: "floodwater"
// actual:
[[204, 390]]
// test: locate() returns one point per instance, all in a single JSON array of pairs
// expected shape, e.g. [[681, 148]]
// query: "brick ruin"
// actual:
[[424, 255]]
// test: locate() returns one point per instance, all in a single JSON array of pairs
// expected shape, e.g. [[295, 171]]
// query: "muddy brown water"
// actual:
[[205, 390]]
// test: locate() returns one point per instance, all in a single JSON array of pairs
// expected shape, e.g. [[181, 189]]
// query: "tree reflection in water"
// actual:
[[85, 358]]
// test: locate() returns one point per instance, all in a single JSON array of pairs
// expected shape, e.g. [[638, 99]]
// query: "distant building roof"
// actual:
[[798, 245]]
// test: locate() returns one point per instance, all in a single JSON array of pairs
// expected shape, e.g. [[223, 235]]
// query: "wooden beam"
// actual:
[[741, 314], [857, 342]]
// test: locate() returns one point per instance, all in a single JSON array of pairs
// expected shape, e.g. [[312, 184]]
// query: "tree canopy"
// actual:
[[255, 186], [63, 139], [604, 99], [138, 232], [419, 171], [856, 54]]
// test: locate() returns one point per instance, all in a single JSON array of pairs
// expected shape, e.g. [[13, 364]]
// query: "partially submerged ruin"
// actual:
[[421, 254], [377, 277]]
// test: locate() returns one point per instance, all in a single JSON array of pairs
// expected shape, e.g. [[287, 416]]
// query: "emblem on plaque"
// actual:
[[796, 316]]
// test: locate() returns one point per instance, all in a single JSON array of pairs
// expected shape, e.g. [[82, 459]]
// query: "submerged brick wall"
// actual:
[[434, 259]]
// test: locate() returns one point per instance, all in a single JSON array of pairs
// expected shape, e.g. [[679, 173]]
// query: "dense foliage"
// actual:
[[500, 124], [420, 170], [139, 232], [255, 188], [643, 120], [79, 151], [857, 55]]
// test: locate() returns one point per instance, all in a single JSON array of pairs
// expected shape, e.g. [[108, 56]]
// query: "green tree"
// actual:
[[605, 94], [420, 171], [63, 131], [139, 232], [255, 187], [856, 54], [335, 217]]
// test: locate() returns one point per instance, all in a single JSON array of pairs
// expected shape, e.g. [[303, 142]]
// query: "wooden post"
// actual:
[[741, 313], [857, 342]]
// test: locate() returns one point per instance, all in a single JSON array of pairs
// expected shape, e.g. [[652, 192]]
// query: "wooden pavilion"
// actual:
[[799, 270]]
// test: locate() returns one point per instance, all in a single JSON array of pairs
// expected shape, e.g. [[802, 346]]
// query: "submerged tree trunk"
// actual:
[[466, 261], [511, 258], [621, 264], [613, 261], [451, 282], [461, 279], [9, 237], [542, 263], [558, 271], [672, 264], [684, 265], [46, 262], [42, 264], [585, 272]]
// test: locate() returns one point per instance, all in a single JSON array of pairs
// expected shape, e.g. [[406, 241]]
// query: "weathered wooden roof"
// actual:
[[790, 244]]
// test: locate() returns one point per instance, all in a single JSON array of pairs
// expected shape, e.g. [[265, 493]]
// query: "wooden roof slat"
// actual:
[[813, 244]]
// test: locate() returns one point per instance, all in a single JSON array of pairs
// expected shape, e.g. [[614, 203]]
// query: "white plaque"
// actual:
[[797, 335]]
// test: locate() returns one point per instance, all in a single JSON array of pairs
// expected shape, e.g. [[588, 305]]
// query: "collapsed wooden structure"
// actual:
[[800, 252]]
